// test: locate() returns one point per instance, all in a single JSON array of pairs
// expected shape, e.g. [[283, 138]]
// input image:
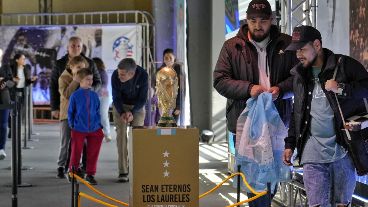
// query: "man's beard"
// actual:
[[259, 38], [311, 63]]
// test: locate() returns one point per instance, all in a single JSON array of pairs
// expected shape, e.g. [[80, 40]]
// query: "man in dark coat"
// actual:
[[252, 62]]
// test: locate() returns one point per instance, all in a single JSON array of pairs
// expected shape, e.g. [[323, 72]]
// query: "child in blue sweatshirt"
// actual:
[[85, 123]]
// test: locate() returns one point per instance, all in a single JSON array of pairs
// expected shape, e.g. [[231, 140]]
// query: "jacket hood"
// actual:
[[330, 59]]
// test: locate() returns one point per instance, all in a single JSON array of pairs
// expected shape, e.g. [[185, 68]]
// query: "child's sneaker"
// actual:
[[91, 180], [80, 172]]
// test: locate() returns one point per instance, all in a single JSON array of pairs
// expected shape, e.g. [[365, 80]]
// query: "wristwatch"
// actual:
[[340, 88]]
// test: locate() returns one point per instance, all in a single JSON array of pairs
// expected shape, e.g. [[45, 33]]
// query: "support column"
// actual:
[[218, 101], [199, 61]]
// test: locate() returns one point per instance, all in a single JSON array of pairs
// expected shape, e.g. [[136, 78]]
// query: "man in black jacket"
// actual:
[[74, 49], [252, 62], [328, 172]]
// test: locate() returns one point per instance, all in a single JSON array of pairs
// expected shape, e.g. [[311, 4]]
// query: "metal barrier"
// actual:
[[293, 193], [76, 195]]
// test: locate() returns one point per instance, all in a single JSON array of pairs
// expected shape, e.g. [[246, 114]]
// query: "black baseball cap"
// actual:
[[259, 8], [302, 35]]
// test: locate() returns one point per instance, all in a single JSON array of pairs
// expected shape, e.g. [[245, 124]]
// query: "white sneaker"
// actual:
[[107, 138], [2, 154]]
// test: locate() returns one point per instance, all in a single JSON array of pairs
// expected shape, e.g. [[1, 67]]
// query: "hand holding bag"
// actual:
[[355, 134]]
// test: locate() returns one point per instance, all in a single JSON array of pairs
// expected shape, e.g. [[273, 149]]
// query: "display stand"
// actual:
[[164, 167]]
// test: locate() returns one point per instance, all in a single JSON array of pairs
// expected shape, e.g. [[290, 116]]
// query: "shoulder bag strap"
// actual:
[[366, 104], [337, 100]]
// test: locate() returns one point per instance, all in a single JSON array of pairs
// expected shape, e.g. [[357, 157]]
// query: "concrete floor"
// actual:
[[47, 190]]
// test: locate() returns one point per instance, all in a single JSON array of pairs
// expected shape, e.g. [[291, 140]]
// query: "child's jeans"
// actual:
[[329, 184], [94, 140]]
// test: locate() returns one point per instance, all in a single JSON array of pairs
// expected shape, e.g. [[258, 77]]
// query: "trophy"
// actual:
[[166, 90]]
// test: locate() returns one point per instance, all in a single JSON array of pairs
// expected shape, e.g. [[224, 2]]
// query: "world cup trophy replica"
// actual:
[[167, 90]]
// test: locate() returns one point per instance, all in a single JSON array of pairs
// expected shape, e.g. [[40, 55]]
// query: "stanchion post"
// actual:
[[19, 140], [73, 182], [14, 155], [22, 104], [19, 136], [269, 193], [26, 119], [30, 116], [29, 112], [26, 115], [76, 195], [238, 186]]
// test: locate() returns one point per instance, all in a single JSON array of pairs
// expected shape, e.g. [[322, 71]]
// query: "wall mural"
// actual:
[[43, 45], [359, 31]]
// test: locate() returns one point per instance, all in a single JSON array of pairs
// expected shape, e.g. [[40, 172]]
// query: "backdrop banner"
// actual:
[[43, 45]]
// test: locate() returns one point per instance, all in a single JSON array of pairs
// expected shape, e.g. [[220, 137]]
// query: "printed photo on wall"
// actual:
[[42, 46], [359, 31]]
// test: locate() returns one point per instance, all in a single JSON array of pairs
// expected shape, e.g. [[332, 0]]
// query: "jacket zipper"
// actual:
[[301, 142], [87, 108]]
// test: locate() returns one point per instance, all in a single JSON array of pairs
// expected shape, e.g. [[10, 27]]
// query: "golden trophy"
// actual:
[[166, 90]]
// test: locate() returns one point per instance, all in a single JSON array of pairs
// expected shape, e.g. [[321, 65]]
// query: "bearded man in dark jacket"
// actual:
[[237, 75], [252, 62], [315, 127]]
